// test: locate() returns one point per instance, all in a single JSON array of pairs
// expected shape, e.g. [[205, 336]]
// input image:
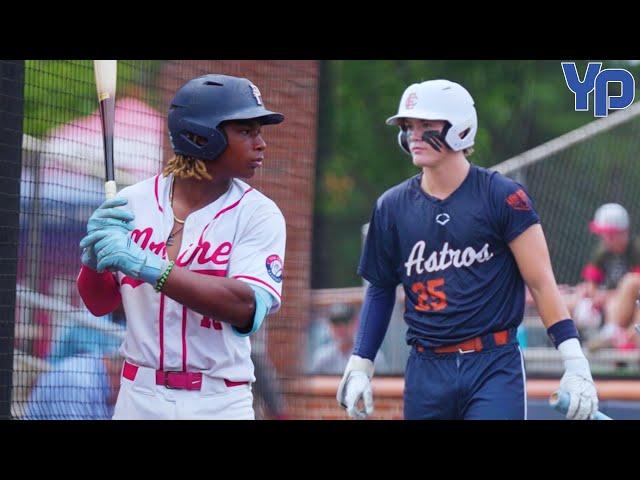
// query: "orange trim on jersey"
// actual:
[[260, 281], [593, 274], [156, 191], [225, 209]]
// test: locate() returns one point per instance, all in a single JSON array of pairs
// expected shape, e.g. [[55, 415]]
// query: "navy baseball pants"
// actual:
[[480, 385]]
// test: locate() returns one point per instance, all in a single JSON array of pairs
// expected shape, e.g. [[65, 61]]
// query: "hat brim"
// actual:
[[271, 119], [265, 117], [420, 114]]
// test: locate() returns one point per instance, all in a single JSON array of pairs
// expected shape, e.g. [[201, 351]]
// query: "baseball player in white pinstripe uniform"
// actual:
[[195, 255]]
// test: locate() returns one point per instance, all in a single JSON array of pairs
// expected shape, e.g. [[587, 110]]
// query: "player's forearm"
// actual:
[[99, 291], [226, 299], [549, 302]]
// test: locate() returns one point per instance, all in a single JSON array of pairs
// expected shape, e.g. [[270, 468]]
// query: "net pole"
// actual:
[[11, 113]]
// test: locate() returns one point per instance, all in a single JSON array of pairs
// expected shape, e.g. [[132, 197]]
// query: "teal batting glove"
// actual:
[[115, 251], [106, 216], [89, 259]]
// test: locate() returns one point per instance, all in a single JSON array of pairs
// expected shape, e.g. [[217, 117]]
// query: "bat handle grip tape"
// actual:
[[110, 189]]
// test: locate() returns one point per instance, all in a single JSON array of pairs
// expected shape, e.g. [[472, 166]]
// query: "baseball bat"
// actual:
[[559, 400], [106, 73]]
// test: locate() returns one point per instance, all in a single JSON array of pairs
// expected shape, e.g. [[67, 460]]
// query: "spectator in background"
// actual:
[[612, 280], [76, 388], [332, 358], [75, 339]]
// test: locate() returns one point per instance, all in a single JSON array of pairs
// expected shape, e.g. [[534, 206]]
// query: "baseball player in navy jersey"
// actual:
[[195, 256], [463, 241]]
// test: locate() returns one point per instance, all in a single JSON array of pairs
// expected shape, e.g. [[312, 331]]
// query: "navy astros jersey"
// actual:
[[452, 256]]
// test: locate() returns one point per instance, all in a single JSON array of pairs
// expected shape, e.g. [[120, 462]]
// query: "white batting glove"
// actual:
[[577, 381], [356, 385]]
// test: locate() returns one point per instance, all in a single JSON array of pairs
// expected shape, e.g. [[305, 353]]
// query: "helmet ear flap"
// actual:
[[402, 141]]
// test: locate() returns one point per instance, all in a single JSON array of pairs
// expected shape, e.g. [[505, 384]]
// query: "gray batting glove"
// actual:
[[355, 386]]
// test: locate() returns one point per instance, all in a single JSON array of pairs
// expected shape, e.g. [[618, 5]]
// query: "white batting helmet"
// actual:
[[440, 100]]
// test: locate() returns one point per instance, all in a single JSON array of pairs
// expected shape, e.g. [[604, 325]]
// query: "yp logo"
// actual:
[[598, 81]]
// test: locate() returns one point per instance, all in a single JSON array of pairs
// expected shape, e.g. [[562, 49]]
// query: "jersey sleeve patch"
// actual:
[[274, 266], [519, 201]]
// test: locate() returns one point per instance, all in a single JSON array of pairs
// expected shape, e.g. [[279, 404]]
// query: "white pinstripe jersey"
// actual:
[[241, 235]]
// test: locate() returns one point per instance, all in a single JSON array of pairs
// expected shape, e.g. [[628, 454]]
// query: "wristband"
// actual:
[[561, 331], [163, 278]]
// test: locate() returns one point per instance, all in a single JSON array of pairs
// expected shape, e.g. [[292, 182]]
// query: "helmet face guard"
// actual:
[[439, 100], [202, 104]]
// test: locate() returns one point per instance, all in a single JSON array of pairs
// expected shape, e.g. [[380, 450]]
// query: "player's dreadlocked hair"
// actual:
[[183, 166], [187, 167]]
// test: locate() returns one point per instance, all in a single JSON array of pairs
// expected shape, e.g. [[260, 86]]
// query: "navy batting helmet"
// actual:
[[202, 104]]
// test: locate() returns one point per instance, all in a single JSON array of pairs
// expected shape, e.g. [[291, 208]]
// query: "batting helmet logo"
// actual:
[[256, 94], [412, 101], [202, 104]]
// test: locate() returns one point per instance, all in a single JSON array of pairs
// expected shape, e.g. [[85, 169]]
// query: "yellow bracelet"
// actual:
[[163, 278]]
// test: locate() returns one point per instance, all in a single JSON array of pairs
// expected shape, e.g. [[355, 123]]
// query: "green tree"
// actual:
[[57, 91]]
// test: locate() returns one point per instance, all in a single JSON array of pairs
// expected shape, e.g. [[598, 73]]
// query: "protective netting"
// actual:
[[63, 356], [568, 179]]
